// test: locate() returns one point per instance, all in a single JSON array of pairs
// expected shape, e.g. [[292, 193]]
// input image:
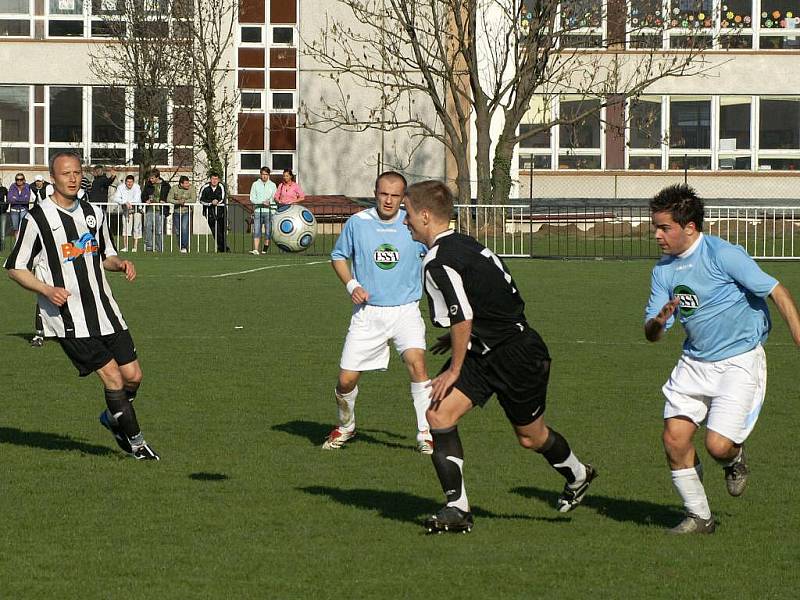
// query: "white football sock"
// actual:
[[421, 395], [690, 488], [346, 405]]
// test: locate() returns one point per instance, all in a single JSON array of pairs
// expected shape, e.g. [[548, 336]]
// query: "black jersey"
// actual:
[[466, 281]]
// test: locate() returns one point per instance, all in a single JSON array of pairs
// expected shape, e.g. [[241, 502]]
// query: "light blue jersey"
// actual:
[[385, 260], [722, 295]]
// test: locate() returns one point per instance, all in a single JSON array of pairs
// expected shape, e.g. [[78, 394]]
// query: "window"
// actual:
[[734, 148], [645, 134], [646, 22], [779, 124], [14, 113], [65, 18], [283, 35], [15, 156], [581, 23], [11, 25], [579, 138], [250, 161], [66, 114], [691, 23], [690, 123], [535, 150], [108, 115], [282, 101], [251, 100], [282, 162], [780, 25], [736, 23], [251, 34]]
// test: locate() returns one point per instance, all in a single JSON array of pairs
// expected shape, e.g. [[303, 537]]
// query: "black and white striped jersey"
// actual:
[[66, 249], [466, 281]]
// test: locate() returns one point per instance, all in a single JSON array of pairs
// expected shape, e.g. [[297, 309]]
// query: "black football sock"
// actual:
[[122, 411], [130, 390], [448, 460], [557, 452]]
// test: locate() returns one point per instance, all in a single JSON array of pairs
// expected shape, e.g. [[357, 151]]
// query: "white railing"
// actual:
[[605, 230]]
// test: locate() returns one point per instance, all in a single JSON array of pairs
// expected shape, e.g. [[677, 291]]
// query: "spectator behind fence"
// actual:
[[19, 198], [129, 198], [155, 190], [98, 193], [213, 197], [39, 189], [3, 214], [181, 196], [262, 194], [86, 184], [289, 191]]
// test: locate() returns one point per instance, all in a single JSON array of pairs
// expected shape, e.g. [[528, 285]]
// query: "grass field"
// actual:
[[237, 398]]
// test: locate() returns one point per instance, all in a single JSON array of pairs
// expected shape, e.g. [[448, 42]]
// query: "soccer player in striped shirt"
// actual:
[[65, 241], [493, 351]]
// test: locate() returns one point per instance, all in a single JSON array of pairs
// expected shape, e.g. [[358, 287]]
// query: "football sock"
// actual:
[[448, 460], [122, 413], [557, 452], [346, 404], [421, 395], [130, 390], [689, 486]]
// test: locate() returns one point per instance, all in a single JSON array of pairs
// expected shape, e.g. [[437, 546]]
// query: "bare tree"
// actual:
[[140, 62], [171, 57], [441, 67]]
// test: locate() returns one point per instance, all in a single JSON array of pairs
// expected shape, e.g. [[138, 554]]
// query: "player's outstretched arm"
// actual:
[[788, 309], [115, 263], [654, 328], [26, 279]]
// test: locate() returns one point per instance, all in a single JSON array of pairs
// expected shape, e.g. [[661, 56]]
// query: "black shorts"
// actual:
[[89, 354], [517, 371]]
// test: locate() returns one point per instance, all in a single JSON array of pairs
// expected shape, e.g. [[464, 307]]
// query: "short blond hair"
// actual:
[[432, 195]]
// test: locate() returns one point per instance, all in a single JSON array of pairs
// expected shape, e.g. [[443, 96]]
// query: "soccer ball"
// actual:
[[293, 228]]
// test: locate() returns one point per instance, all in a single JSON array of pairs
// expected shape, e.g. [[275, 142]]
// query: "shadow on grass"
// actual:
[[402, 506], [317, 432], [618, 509], [202, 476], [24, 336], [49, 441]]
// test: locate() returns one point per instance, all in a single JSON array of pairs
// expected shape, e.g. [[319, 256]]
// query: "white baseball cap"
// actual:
[[38, 178]]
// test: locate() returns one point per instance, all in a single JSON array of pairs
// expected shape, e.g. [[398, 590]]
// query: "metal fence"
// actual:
[[512, 230], [607, 231]]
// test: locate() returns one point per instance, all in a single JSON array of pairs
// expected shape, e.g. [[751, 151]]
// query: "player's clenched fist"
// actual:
[[57, 295]]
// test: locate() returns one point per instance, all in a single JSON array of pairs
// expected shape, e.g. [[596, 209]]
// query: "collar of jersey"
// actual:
[[443, 234], [691, 249]]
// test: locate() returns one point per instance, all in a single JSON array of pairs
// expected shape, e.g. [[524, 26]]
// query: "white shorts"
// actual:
[[366, 347], [133, 224], [728, 392]]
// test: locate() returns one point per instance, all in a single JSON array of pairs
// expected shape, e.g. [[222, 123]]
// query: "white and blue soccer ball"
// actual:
[[293, 227]]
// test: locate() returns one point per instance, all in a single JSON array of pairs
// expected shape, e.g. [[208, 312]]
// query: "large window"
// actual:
[[645, 133], [65, 18], [108, 115], [581, 24], [15, 18], [579, 135], [780, 25], [14, 113], [66, 114]]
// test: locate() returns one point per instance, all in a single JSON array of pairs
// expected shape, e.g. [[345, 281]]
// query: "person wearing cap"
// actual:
[[39, 189]]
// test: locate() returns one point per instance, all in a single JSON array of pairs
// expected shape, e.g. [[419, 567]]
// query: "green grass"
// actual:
[[237, 398]]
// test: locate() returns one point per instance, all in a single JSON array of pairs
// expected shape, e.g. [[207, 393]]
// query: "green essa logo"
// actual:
[[386, 256], [688, 299]]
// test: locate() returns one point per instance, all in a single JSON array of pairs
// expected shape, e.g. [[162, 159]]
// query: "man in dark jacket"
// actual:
[[155, 192], [214, 198], [3, 214], [98, 192]]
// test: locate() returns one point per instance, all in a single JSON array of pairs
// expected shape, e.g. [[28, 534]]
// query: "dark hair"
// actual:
[[682, 203], [155, 173], [432, 195], [213, 174], [391, 175], [98, 167], [131, 177], [263, 169], [62, 154], [183, 178], [290, 172]]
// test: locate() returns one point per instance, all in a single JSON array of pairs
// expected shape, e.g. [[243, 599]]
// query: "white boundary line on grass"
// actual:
[[316, 262]]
